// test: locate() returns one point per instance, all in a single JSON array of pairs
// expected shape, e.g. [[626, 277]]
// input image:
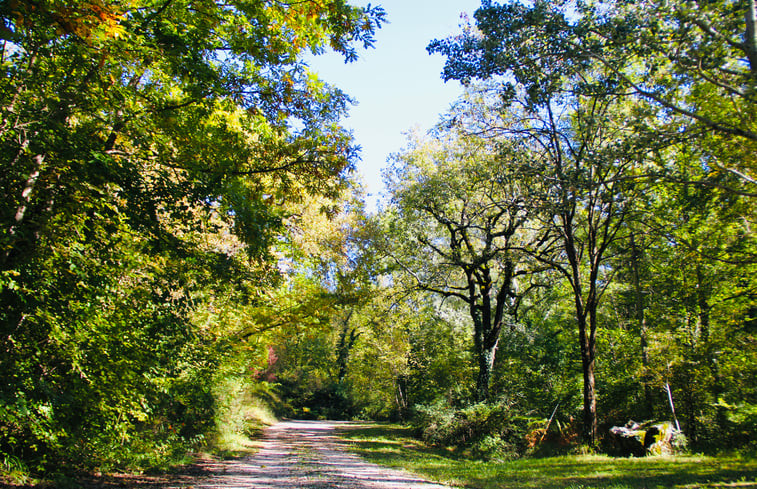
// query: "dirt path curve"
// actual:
[[305, 454]]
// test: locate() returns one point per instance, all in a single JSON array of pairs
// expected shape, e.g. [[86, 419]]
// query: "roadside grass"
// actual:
[[393, 446]]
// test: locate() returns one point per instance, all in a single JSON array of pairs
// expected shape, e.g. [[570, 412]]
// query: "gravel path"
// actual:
[[305, 454]]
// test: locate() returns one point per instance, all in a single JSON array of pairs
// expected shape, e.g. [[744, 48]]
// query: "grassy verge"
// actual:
[[392, 445], [243, 410]]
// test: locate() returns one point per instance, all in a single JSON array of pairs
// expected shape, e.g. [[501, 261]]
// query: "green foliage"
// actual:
[[150, 150], [330, 401], [674, 59], [182, 252], [394, 446], [440, 356], [124, 377], [742, 419], [457, 229], [14, 471], [638, 117], [491, 431], [245, 407]]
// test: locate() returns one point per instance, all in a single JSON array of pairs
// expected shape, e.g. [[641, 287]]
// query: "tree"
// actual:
[[328, 267], [134, 135], [141, 99], [689, 69], [575, 109], [580, 184], [457, 201], [699, 251]]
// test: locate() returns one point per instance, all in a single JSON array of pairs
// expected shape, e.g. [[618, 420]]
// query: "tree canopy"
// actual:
[[151, 150], [184, 245]]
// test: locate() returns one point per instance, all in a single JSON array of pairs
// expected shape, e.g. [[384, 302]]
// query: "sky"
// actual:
[[397, 85]]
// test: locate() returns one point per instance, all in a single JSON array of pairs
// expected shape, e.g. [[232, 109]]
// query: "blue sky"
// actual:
[[397, 85]]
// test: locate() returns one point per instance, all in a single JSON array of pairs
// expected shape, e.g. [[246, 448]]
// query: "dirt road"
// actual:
[[304, 454]]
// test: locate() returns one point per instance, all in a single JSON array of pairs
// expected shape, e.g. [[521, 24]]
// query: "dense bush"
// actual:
[[492, 431], [244, 407]]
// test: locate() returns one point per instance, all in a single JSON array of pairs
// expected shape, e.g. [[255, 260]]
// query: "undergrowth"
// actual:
[[394, 446]]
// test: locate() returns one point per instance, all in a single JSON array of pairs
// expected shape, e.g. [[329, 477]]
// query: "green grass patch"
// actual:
[[393, 446]]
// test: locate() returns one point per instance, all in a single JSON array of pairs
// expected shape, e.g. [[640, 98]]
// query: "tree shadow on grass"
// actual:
[[393, 445]]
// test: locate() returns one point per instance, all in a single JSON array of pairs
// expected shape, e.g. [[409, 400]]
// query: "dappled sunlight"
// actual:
[[564, 266], [393, 446], [304, 454]]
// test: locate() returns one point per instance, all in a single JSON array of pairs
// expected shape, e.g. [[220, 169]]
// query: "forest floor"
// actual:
[[292, 454], [395, 446], [338, 455]]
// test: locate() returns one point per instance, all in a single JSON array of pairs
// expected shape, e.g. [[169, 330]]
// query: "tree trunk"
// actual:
[[590, 403], [641, 322], [400, 395], [26, 194], [586, 332], [588, 354], [485, 365], [16, 232], [750, 36], [710, 356], [703, 307], [487, 331], [347, 338], [690, 417]]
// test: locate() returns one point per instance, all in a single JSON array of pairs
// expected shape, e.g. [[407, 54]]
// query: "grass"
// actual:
[[393, 445], [240, 419]]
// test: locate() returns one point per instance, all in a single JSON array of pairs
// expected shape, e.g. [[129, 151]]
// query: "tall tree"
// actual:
[[172, 103], [462, 214], [686, 75], [580, 184], [699, 291], [133, 135], [689, 68]]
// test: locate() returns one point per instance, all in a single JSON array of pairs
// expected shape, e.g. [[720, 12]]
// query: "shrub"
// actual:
[[492, 431], [13, 471], [245, 407]]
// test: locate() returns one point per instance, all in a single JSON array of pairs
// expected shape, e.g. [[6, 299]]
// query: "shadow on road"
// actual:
[[303, 454]]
